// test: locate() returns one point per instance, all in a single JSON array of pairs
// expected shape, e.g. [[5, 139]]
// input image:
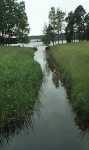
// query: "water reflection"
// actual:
[[83, 125], [55, 78], [13, 123], [51, 118]]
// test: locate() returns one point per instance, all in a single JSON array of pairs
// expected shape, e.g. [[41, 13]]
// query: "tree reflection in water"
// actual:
[[82, 125], [13, 123], [55, 78]]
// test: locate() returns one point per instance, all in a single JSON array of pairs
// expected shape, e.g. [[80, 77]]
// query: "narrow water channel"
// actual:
[[52, 123]]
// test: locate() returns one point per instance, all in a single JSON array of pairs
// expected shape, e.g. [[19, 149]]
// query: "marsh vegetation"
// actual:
[[20, 80]]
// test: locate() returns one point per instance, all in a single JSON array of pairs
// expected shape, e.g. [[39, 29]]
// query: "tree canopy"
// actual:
[[74, 27], [77, 25], [56, 18], [13, 20]]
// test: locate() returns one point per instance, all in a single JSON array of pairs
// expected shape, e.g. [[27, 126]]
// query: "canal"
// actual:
[[52, 123]]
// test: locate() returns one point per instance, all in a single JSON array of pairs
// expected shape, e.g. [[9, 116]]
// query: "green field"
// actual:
[[73, 63], [20, 80]]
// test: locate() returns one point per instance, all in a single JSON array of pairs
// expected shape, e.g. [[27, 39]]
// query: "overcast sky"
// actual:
[[37, 11]]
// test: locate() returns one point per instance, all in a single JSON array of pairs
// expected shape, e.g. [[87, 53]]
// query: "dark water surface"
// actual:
[[51, 125]]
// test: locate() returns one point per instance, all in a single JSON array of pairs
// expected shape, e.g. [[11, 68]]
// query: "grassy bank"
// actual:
[[73, 63], [20, 80]]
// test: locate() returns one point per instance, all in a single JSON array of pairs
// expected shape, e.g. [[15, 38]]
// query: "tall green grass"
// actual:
[[20, 80], [73, 63]]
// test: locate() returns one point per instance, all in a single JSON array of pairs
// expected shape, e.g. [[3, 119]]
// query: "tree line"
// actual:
[[74, 27], [14, 25]]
